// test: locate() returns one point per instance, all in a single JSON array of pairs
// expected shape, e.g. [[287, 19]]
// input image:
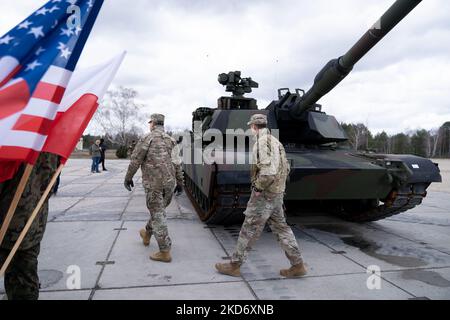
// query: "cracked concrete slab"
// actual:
[[208, 291], [368, 246], [80, 244], [267, 258], [65, 295], [338, 287], [424, 283], [430, 235], [194, 253], [102, 208]]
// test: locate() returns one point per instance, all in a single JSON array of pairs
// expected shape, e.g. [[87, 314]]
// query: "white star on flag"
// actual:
[[37, 32], [61, 46], [66, 32], [25, 25], [54, 8], [65, 53], [78, 30], [42, 11], [6, 39], [33, 65], [39, 51]]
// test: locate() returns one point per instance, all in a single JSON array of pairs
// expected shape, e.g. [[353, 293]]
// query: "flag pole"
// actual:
[[31, 220], [15, 202]]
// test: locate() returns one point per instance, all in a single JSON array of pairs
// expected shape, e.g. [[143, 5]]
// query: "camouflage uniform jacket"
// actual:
[[157, 155], [40, 177], [270, 167]]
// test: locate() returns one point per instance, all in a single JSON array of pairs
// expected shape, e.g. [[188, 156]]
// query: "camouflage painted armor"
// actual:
[[269, 174], [21, 278], [156, 155]]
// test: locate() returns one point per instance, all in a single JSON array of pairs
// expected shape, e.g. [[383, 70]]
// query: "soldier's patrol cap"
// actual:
[[259, 119], [157, 118]]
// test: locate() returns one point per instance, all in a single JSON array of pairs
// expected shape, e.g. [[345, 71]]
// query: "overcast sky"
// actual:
[[176, 49]]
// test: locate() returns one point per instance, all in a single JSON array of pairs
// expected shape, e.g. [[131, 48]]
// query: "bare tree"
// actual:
[[358, 135], [434, 140], [120, 115]]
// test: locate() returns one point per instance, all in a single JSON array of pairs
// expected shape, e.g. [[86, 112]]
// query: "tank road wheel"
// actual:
[[397, 202], [202, 205], [225, 208]]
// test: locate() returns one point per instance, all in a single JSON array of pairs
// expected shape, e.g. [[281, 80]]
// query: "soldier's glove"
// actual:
[[128, 184], [178, 190]]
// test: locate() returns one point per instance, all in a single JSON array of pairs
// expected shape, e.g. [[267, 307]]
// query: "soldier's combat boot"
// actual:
[[296, 271], [163, 256], [145, 237], [229, 269]]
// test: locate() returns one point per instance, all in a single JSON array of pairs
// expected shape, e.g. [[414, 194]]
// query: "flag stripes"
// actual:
[[35, 121], [38, 125], [50, 92]]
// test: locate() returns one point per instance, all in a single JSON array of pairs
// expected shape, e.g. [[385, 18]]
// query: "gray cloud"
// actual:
[[176, 48]]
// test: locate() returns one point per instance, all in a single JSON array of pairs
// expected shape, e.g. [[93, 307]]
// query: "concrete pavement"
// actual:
[[94, 222]]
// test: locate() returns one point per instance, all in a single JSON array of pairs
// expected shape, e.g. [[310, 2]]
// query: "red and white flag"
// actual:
[[37, 58], [83, 94]]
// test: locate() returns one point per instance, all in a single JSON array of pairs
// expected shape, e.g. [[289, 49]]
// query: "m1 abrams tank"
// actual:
[[358, 186]]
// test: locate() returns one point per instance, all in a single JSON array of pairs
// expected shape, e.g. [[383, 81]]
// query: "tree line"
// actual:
[[122, 120], [433, 143]]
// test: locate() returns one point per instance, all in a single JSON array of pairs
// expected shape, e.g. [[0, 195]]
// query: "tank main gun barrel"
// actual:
[[337, 69]]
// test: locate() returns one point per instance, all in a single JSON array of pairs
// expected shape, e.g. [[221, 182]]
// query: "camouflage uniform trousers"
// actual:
[[157, 201], [21, 277], [262, 209]]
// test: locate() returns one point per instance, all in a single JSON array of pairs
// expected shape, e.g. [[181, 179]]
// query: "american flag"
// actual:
[[37, 59]]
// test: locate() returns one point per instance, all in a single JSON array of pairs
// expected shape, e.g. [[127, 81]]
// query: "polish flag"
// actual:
[[80, 102]]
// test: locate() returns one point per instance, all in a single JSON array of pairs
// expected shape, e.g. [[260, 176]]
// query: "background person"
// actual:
[[103, 149], [96, 155]]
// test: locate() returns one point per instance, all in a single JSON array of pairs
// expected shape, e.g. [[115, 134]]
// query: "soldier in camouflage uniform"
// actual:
[[270, 170], [21, 277], [157, 156]]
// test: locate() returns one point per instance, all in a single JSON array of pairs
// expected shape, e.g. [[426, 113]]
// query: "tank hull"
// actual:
[[350, 184]]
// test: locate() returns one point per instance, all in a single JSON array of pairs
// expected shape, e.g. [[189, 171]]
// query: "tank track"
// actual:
[[229, 202], [408, 197], [226, 206]]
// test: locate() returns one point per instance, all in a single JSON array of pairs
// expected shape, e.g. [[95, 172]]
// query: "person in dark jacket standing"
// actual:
[[103, 149], [95, 153]]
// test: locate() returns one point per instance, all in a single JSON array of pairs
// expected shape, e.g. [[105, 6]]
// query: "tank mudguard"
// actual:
[[423, 170]]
